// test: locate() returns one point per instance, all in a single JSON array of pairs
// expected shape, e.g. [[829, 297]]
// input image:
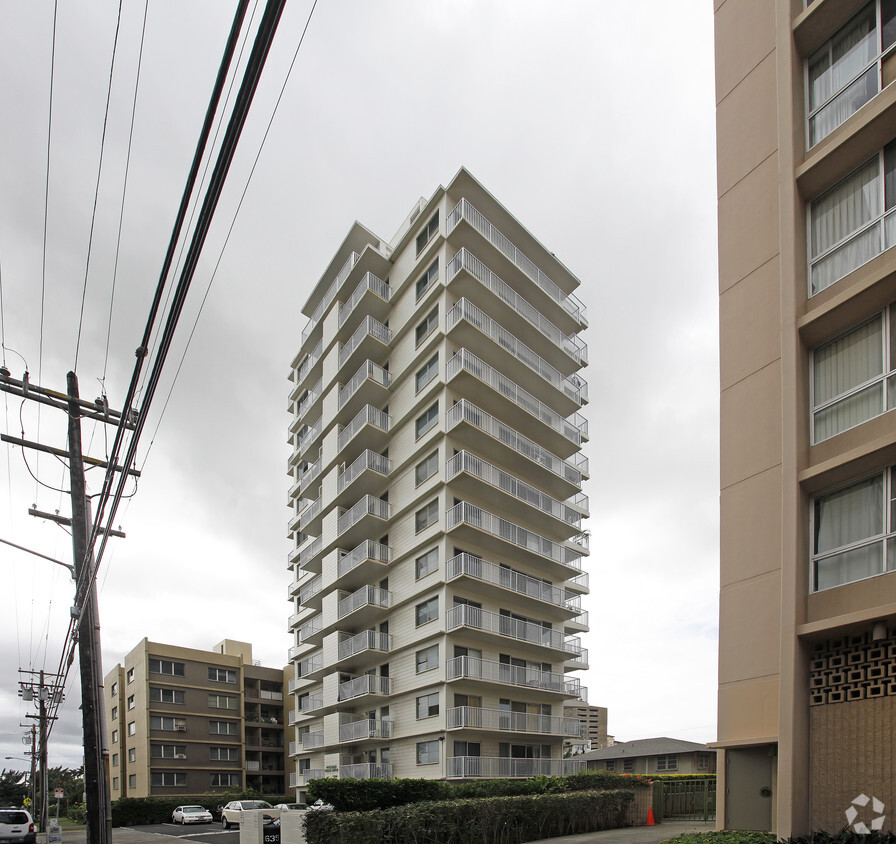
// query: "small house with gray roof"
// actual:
[[653, 756]]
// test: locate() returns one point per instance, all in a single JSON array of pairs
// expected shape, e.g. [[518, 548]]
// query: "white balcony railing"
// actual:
[[330, 295], [310, 627], [308, 703], [315, 739], [310, 513], [368, 415], [494, 767], [310, 589], [569, 343], [312, 774], [313, 358], [306, 554], [311, 433], [367, 550], [476, 517], [475, 618], [369, 371], [368, 282], [311, 663], [464, 210], [464, 461], [507, 578], [366, 460], [365, 596], [366, 771], [574, 428], [369, 327], [366, 640], [308, 399], [465, 411], [365, 729], [367, 506], [366, 684], [310, 473], [572, 386], [472, 668], [475, 717]]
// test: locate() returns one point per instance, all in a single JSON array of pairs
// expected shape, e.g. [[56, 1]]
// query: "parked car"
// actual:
[[191, 814], [271, 831], [17, 825], [290, 807], [230, 814]]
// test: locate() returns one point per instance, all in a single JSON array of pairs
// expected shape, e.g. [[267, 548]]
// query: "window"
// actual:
[[132, 781], [427, 372], [174, 779], [428, 658], [426, 468], [431, 323], [427, 563], [114, 736], [222, 728], [428, 279], [224, 754], [427, 515], [132, 755], [610, 765], [114, 689], [853, 377], [428, 232], [225, 779], [426, 420], [703, 761], [628, 766], [130, 676], [854, 531], [467, 748], [165, 666], [427, 611], [160, 695], [115, 783], [223, 702], [114, 760], [221, 675], [131, 702], [168, 751], [428, 705], [132, 728], [667, 763], [160, 722], [114, 712], [427, 752], [849, 225], [845, 73]]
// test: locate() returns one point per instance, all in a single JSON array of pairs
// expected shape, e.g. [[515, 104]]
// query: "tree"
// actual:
[[71, 781], [13, 787]]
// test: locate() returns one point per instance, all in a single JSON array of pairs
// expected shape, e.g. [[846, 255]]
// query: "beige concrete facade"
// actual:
[[182, 721], [436, 502], [806, 278], [595, 720]]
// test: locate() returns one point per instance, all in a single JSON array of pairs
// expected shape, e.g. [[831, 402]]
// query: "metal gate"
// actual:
[[689, 800]]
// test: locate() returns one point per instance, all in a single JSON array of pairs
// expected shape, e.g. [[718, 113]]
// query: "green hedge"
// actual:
[[509, 820], [129, 811]]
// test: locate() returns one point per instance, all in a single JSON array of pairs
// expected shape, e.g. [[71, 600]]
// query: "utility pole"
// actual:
[[45, 693]]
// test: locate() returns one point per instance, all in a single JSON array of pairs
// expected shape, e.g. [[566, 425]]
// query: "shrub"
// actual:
[[725, 836], [77, 812]]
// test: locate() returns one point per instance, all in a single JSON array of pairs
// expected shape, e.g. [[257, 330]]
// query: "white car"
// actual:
[[230, 814], [17, 825], [290, 807], [191, 814]]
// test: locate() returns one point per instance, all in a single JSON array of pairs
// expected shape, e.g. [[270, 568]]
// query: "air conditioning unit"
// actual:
[[180, 755], [181, 728]]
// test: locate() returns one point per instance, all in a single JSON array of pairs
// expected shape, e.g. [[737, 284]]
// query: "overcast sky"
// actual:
[[591, 121]]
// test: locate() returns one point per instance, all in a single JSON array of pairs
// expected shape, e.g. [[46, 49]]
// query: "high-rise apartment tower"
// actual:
[[806, 121], [437, 504]]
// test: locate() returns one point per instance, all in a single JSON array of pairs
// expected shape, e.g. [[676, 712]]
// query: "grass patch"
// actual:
[[725, 836]]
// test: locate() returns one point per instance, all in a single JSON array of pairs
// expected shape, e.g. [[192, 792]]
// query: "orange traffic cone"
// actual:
[[650, 820]]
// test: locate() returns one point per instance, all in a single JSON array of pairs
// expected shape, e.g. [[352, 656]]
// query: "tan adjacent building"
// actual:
[[806, 121], [437, 506], [186, 721], [594, 718]]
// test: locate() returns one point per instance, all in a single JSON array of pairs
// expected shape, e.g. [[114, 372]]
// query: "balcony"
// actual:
[[306, 557], [564, 434], [475, 618], [307, 365], [312, 740], [309, 400], [375, 291], [366, 684], [310, 665], [365, 563], [309, 475], [558, 477], [365, 604], [304, 777], [567, 350], [309, 630], [490, 574], [309, 518], [488, 671], [293, 748], [373, 422], [464, 211], [308, 703], [329, 296], [546, 512], [356, 731], [369, 384], [502, 767], [578, 623], [310, 434], [476, 718], [371, 339], [309, 590], [366, 473], [568, 393], [494, 534], [579, 584], [366, 771], [365, 641], [369, 514]]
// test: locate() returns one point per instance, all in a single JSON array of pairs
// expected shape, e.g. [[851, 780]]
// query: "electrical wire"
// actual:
[[96, 194]]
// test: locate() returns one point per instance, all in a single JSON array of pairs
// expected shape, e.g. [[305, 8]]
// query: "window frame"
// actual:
[[157, 665], [426, 516], [427, 233], [428, 752], [427, 325], [426, 373], [427, 706], [229, 675], [430, 660], [214, 702], [157, 694], [426, 421], [424, 465], [431, 568], [426, 607]]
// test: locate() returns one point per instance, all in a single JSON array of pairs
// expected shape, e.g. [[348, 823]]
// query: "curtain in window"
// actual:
[[842, 58], [840, 367], [843, 106]]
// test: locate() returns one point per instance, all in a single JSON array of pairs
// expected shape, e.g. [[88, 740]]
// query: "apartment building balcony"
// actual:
[[473, 475], [367, 562], [309, 518], [310, 703], [293, 717], [328, 297], [503, 767], [370, 642], [302, 778], [308, 476], [578, 661], [368, 728], [369, 385], [506, 539], [472, 328], [564, 308], [369, 429], [309, 633], [579, 584], [481, 577], [365, 605], [370, 340], [312, 740], [369, 515], [364, 686], [366, 475], [577, 624], [306, 557], [534, 635], [504, 445], [366, 771], [504, 674], [310, 592], [468, 374], [371, 297], [469, 276], [293, 749], [502, 720], [306, 365], [311, 667], [309, 400]]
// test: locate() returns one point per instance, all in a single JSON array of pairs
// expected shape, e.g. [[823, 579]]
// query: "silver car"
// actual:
[[230, 814], [191, 814]]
